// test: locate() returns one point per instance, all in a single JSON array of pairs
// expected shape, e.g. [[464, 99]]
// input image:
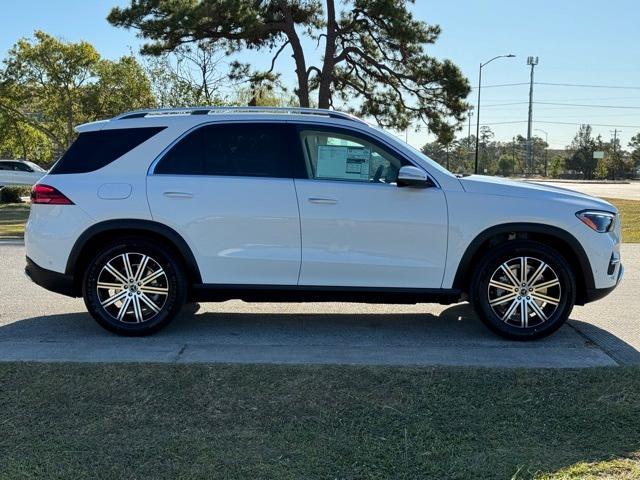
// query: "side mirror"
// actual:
[[410, 176]]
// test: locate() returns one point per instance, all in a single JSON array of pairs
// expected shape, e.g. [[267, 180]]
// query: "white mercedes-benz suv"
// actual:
[[154, 208]]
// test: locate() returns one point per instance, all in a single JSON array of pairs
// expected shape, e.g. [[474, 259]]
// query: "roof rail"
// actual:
[[226, 110]]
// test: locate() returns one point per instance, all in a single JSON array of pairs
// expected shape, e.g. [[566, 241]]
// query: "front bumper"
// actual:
[[594, 294], [53, 281]]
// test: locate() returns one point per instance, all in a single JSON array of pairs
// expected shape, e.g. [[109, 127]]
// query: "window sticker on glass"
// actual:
[[343, 162]]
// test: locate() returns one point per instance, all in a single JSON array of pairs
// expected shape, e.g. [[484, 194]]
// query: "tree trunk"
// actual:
[[324, 94], [298, 56]]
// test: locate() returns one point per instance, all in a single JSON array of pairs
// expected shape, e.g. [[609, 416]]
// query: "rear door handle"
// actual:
[[178, 195], [323, 200]]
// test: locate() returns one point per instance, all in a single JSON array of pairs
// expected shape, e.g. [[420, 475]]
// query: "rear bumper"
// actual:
[[53, 281], [594, 294]]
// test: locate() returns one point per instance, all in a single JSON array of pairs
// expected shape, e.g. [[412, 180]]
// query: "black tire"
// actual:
[[140, 317], [538, 317]]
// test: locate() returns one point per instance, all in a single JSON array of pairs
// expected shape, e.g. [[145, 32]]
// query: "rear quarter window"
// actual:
[[94, 150]]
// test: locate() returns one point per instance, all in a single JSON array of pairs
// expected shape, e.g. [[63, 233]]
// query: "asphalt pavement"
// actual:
[[37, 325]]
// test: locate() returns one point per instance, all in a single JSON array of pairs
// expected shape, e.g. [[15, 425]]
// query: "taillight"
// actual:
[[48, 195]]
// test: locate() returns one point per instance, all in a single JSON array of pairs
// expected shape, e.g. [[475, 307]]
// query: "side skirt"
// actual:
[[303, 293]]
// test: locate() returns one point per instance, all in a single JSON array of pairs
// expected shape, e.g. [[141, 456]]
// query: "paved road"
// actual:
[[628, 191], [36, 325]]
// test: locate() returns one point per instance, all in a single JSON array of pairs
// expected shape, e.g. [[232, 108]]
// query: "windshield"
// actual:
[[34, 167], [418, 153]]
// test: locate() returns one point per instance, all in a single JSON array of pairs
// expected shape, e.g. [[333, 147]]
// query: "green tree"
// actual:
[[51, 86], [581, 152], [634, 144], [19, 140], [435, 151], [374, 51], [557, 166], [507, 164]]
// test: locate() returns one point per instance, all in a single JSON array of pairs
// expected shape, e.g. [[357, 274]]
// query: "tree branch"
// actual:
[[273, 60]]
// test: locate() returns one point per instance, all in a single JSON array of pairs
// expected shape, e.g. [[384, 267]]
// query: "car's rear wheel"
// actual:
[[134, 287], [523, 290]]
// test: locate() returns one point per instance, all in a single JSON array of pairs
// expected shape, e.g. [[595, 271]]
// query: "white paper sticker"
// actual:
[[343, 162]]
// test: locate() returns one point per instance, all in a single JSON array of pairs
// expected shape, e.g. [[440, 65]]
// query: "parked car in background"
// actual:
[[153, 208], [19, 172]]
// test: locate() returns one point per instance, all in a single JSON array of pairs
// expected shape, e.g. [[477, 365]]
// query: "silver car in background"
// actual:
[[19, 172]]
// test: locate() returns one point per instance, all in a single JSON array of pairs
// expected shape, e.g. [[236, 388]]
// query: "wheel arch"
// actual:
[[100, 233], [557, 238]]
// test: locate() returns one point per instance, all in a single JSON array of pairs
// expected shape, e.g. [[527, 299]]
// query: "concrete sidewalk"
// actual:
[[36, 325]]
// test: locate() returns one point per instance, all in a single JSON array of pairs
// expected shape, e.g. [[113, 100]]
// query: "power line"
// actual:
[[586, 105], [621, 87], [551, 84], [592, 124], [549, 122], [501, 85], [504, 104]]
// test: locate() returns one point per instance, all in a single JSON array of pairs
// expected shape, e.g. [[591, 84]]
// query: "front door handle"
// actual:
[[178, 195], [323, 200]]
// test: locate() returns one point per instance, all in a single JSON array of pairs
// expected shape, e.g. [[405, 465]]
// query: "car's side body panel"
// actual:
[[241, 229], [373, 235]]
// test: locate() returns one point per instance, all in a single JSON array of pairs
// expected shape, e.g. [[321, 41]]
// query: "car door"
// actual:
[[359, 229], [228, 190]]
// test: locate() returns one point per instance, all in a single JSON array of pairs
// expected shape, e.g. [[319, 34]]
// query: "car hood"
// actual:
[[514, 188]]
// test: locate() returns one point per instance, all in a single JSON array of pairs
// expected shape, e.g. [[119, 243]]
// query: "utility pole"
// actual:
[[615, 157], [533, 61]]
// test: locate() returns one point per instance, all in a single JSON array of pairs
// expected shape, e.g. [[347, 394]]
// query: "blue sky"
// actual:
[[578, 42]]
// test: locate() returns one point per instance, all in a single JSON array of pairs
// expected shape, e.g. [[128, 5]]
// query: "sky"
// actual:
[[578, 42]]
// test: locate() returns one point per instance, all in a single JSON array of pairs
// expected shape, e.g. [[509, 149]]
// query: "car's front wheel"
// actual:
[[523, 290], [134, 287]]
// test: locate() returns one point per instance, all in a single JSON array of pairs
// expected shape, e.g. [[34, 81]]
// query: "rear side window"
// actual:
[[94, 150], [241, 149]]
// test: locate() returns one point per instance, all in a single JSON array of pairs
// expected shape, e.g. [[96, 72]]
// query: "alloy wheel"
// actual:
[[524, 292], [132, 287]]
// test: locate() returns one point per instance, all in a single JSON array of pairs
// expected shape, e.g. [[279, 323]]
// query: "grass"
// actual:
[[630, 216], [13, 216], [286, 422]]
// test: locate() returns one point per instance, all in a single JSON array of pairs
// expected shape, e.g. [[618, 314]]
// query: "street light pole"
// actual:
[[533, 61], [546, 140], [478, 108]]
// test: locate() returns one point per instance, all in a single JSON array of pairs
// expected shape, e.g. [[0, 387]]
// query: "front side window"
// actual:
[[336, 156], [240, 149]]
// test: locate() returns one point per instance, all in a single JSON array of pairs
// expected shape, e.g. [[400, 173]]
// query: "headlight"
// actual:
[[596, 220]]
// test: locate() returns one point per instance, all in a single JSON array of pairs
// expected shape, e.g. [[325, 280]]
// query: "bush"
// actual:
[[13, 194]]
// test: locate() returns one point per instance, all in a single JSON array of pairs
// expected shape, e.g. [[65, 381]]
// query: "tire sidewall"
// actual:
[[519, 248], [175, 278]]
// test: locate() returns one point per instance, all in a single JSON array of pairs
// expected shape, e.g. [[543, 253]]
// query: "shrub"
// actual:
[[13, 194]]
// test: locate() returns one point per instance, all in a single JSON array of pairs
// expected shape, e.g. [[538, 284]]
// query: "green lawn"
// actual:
[[13, 216], [630, 216], [286, 422]]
